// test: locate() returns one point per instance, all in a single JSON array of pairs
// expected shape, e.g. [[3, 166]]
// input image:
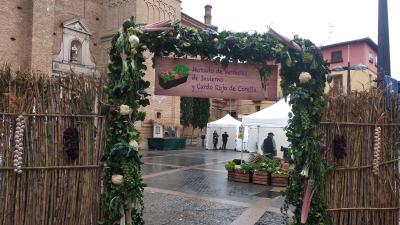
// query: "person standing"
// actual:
[[269, 147], [203, 137], [215, 139], [224, 140]]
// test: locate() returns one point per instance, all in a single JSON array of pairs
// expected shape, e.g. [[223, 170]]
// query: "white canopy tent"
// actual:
[[271, 119], [228, 124]]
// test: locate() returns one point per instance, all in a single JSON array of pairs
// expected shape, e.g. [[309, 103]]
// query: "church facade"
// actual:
[[50, 36], [53, 36], [38, 33]]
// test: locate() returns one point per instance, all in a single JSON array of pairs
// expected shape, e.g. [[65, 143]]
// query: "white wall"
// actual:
[[257, 135], [231, 131]]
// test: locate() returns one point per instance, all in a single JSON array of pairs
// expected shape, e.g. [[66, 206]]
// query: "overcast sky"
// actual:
[[351, 19]]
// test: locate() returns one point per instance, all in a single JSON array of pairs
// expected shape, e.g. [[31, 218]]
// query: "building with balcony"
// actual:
[[362, 56]]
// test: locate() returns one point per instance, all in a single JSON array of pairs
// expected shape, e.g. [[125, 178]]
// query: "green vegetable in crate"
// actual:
[[267, 165], [282, 172], [247, 166], [230, 165]]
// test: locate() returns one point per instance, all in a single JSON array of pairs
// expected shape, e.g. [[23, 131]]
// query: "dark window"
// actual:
[[258, 108], [336, 57], [158, 130], [158, 115], [370, 57], [233, 114], [338, 84]]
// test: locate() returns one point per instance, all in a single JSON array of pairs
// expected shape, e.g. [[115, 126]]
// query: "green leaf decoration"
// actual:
[[308, 57], [255, 48], [289, 62]]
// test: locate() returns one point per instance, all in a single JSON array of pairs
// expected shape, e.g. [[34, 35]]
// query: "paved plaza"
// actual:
[[190, 187]]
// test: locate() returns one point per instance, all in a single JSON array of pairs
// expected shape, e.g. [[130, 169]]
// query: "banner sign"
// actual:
[[241, 132], [205, 79]]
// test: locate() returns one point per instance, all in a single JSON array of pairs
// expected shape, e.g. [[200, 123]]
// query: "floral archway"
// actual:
[[303, 73]]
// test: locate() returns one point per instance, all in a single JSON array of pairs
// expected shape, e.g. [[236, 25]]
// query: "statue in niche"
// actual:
[[74, 53]]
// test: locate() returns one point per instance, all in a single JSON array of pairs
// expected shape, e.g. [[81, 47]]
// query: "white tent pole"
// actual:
[[206, 139], [241, 151], [220, 136], [258, 138]]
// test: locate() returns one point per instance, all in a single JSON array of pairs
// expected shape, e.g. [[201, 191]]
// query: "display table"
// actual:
[[166, 143]]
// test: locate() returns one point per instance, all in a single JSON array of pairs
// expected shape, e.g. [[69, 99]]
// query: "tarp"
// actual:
[[277, 115], [226, 124], [226, 121], [271, 119]]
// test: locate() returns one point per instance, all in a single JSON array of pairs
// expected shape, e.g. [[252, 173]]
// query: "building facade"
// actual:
[[362, 55], [55, 36]]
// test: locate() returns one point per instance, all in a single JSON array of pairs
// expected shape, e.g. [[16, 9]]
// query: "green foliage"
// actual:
[[230, 165], [280, 171], [247, 166], [195, 106], [186, 111], [125, 86], [229, 46], [201, 108], [267, 164], [308, 105]]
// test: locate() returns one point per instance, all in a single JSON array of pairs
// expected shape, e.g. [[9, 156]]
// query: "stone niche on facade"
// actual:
[[75, 50]]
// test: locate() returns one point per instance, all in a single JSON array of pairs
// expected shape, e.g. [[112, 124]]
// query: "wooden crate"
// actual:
[[279, 180], [261, 177], [241, 176], [231, 174]]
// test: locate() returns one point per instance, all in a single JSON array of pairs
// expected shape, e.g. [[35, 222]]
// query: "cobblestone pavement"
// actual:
[[190, 187], [176, 210], [270, 218]]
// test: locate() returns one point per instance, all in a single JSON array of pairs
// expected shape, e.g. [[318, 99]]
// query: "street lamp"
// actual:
[[348, 68]]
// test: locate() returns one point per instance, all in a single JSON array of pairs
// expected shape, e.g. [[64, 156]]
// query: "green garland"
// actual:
[[303, 73], [121, 162], [307, 101]]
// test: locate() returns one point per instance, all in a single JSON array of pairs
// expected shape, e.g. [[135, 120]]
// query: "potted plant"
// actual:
[[243, 172], [280, 178], [261, 174], [230, 167], [263, 170]]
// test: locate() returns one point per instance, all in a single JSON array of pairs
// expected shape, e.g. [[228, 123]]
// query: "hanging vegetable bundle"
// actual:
[[339, 146], [377, 150], [71, 142], [19, 144]]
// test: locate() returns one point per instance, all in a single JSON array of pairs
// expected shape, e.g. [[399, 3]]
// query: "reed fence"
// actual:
[[354, 193], [52, 188]]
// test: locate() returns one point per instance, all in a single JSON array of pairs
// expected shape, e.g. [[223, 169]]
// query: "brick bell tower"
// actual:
[[208, 17]]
